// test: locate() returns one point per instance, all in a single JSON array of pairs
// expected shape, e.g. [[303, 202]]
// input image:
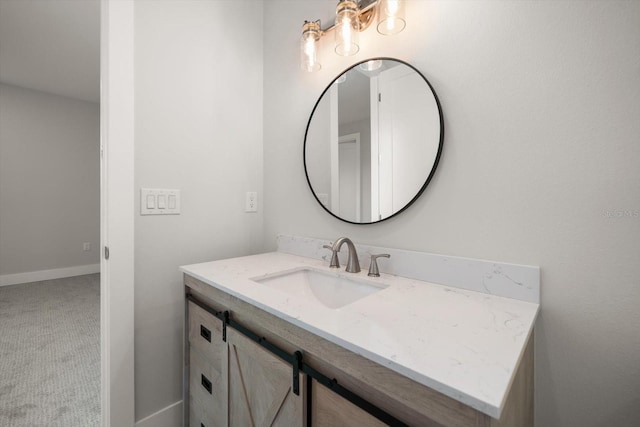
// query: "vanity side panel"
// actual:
[[518, 410], [186, 409], [402, 397]]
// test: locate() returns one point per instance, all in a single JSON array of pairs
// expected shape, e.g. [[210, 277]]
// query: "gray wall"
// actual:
[[198, 79], [541, 103], [49, 181]]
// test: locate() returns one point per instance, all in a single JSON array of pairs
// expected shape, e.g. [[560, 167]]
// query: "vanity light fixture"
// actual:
[[352, 17]]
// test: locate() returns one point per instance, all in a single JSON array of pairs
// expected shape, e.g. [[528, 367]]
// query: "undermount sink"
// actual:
[[332, 290]]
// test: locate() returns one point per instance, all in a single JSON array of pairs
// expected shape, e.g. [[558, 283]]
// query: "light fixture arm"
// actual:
[[365, 17]]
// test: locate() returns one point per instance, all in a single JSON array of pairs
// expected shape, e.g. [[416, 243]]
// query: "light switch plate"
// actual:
[[158, 201]]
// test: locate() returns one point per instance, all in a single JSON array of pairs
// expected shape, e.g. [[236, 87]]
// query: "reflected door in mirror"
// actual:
[[350, 192], [406, 119]]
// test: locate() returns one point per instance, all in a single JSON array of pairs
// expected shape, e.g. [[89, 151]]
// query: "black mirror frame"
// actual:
[[435, 163]]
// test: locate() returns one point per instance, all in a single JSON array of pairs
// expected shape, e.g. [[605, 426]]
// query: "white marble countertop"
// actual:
[[464, 344]]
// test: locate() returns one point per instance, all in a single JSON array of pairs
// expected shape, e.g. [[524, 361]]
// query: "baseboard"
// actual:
[[58, 273], [171, 416]]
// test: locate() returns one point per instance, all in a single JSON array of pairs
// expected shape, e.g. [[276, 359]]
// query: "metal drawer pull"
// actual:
[[205, 333], [206, 383]]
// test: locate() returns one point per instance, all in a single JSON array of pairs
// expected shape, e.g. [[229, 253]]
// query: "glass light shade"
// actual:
[[347, 28], [390, 17], [371, 65], [309, 46]]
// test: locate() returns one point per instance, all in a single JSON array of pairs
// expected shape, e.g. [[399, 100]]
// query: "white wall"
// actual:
[[363, 127], [49, 181], [541, 103], [319, 139], [199, 129]]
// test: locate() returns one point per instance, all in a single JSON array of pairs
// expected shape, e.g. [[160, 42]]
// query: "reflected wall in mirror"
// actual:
[[373, 141]]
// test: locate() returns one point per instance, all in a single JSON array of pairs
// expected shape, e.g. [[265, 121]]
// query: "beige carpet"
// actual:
[[50, 353]]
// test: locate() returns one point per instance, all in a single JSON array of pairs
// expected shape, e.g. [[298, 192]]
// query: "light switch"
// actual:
[[151, 201], [159, 201]]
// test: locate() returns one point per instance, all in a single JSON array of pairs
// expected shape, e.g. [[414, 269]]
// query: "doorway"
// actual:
[[349, 186], [50, 213], [114, 22]]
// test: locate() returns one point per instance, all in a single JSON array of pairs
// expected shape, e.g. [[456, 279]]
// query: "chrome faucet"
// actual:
[[353, 266]]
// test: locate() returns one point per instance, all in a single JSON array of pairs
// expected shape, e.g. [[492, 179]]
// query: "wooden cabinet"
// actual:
[[237, 382], [252, 387]]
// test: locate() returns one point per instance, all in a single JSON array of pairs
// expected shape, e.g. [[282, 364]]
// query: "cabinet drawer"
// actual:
[[206, 385], [200, 417], [205, 333]]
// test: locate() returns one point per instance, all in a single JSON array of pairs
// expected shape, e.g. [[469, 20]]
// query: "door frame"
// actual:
[[117, 128], [334, 148], [375, 149], [354, 138]]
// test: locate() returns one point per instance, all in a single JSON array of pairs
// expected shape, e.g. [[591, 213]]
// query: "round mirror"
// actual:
[[373, 141]]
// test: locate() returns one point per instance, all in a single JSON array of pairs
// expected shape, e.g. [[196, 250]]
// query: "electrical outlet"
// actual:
[[86, 247], [251, 202]]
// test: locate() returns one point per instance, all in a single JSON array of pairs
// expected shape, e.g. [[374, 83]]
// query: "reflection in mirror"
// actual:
[[373, 141]]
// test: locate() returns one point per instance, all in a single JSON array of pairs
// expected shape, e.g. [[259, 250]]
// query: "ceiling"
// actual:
[[52, 46], [353, 97]]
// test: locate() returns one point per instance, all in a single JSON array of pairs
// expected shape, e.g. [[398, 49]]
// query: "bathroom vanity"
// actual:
[[275, 339]]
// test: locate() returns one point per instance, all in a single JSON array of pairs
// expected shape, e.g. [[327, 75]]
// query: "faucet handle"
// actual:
[[373, 267], [335, 263]]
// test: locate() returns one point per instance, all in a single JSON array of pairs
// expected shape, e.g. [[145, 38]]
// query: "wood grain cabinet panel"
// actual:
[[208, 387], [205, 333], [208, 370], [331, 410], [199, 417], [260, 387]]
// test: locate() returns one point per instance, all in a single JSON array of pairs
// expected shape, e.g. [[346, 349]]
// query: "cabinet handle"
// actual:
[[205, 333], [206, 383], [202, 425]]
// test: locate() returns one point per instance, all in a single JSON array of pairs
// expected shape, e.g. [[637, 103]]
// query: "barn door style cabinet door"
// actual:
[[237, 382], [260, 387]]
